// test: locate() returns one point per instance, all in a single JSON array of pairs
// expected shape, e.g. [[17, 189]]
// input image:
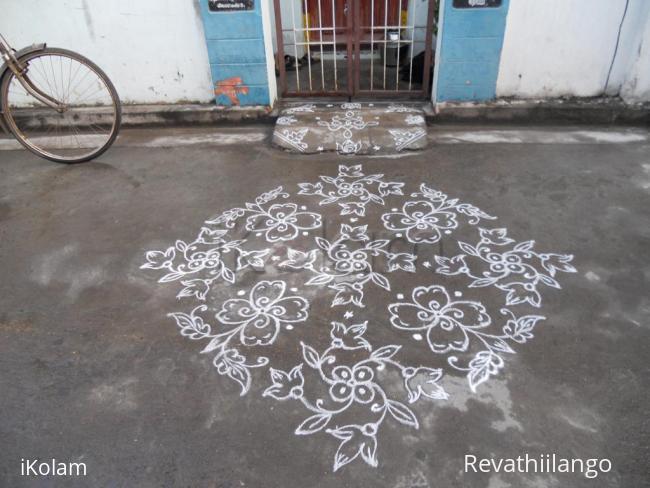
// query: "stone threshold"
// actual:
[[351, 128]]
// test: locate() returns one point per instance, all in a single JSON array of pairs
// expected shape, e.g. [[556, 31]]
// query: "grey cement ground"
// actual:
[[92, 370]]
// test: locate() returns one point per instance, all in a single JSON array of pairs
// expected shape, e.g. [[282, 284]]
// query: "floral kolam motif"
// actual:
[[281, 302]]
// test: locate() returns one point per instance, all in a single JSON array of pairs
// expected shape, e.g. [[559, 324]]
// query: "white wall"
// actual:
[[291, 15], [268, 21], [418, 11], [555, 48], [153, 50], [636, 87]]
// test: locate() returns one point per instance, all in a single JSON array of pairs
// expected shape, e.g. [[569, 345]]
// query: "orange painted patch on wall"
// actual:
[[231, 88]]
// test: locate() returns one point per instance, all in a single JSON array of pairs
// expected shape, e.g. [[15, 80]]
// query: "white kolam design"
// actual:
[[398, 108], [247, 322], [350, 128], [306, 108], [414, 119], [405, 137], [353, 264], [352, 190], [286, 120], [347, 125], [511, 266], [280, 302], [352, 382], [294, 138], [425, 220]]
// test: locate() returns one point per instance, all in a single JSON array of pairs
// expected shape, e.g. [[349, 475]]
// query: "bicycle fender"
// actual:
[[26, 50]]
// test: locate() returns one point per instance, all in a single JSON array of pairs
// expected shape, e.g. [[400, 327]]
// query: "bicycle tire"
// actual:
[[18, 134]]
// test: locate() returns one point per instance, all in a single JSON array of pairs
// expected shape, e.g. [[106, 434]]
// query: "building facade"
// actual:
[[253, 52]]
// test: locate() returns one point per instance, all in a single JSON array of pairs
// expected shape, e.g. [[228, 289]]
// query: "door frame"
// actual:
[[353, 34]]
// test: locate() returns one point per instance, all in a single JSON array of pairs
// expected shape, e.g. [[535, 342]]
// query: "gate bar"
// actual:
[[385, 37], [357, 45], [280, 45], [320, 38], [305, 17], [295, 44], [427, 49], [372, 42], [336, 73], [399, 38], [349, 30], [412, 47]]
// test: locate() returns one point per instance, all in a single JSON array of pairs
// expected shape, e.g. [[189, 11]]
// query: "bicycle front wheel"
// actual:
[[89, 116]]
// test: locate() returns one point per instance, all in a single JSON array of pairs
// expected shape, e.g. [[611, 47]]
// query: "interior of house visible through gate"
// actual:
[[355, 48]]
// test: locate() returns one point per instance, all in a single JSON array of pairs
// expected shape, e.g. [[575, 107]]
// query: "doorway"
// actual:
[[355, 48]]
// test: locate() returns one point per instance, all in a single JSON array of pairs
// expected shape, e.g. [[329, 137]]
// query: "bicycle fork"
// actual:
[[21, 73]]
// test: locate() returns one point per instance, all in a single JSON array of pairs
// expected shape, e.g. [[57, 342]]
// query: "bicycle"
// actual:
[[57, 103]]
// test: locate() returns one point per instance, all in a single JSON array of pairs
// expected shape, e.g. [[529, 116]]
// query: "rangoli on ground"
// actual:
[[271, 255]]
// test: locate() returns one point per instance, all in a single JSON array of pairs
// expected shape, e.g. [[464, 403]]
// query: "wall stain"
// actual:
[[88, 18], [231, 88]]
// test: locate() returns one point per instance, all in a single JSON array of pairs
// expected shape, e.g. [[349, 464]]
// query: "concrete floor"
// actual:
[[93, 370]]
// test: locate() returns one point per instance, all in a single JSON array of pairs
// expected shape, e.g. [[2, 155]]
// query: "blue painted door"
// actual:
[[235, 42], [470, 51]]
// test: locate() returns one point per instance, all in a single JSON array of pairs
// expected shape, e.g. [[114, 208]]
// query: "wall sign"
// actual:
[[230, 5], [477, 3]]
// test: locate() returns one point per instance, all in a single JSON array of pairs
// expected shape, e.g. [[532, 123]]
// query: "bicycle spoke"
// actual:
[[84, 93], [36, 78], [75, 132], [81, 79], [101, 130], [56, 88], [44, 75], [90, 96], [74, 77], [62, 99], [69, 74]]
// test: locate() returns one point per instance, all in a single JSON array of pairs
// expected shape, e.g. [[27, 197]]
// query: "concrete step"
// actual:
[[351, 128]]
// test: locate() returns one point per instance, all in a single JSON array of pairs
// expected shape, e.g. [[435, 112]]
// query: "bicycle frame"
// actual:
[[5, 52], [12, 62], [8, 55]]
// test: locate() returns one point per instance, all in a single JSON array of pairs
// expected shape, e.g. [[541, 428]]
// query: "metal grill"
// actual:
[[349, 48]]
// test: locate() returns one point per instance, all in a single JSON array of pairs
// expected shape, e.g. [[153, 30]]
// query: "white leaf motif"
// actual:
[[402, 413], [385, 352], [311, 356], [313, 424]]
